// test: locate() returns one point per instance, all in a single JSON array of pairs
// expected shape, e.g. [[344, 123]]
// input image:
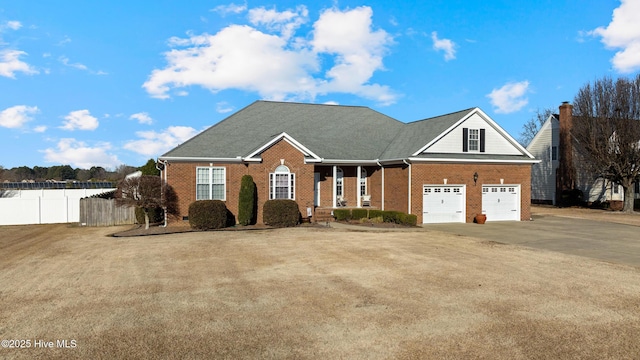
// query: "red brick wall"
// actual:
[[462, 174], [396, 188], [182, 176]]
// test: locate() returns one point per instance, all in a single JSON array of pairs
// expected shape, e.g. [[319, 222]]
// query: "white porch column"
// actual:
[[358, 175], [382, 188], [335, 186]]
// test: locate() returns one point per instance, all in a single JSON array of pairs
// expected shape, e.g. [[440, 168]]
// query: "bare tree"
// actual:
[[607, 131], [533, 126], [147, 192]]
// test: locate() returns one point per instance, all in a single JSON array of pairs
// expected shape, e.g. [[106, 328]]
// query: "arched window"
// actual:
[[282, 184], [363, 182], [339, 182]]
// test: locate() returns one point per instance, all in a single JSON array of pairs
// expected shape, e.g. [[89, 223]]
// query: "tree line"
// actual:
[[66, 172]]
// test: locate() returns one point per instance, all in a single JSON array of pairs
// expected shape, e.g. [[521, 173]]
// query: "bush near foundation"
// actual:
[[281, 213], [342, 214], [208, 214], [374, 214], [357, 214], [247, 201]]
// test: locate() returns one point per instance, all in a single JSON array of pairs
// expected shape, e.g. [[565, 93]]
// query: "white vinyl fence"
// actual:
[[46, 206]]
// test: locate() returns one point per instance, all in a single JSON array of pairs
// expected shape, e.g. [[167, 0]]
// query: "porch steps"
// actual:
[[323, 215]]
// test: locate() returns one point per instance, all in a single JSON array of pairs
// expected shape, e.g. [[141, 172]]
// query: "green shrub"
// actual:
[[247, 201], [375, 214], [342, 214], [391, 216], [281, 213], [357, 214], [156, 215], [408, 219], [209, 214]]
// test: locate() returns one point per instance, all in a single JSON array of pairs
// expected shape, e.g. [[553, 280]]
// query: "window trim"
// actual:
[[211, 182], [339, 182], [291, 183], [363, 183], [474, 139]]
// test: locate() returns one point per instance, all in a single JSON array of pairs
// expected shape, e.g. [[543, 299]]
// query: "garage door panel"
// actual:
[[501, 202], [443, 204]]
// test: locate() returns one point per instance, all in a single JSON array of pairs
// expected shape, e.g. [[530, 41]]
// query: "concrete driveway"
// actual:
[[611, 242]]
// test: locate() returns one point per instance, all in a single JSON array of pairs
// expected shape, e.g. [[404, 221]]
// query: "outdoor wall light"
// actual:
[[475, 178]]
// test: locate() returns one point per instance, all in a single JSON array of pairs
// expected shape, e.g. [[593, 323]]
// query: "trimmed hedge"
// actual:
[[357, 214], [247, 201], [281, 213], [209, 214], [395, 217], [373, 214], [342, 214]]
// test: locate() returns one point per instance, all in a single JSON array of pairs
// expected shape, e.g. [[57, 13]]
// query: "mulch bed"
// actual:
[[139, 230]]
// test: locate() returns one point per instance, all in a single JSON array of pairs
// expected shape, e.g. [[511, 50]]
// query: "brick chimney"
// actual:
[[565, 175]]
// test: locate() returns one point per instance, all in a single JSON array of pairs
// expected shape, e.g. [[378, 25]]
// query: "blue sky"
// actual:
[[90, 83]]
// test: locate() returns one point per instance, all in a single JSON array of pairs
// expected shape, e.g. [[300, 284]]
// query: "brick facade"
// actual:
[[462, 174], [182, 176]]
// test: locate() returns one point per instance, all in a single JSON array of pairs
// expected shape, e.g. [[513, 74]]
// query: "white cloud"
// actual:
[[446, 45], [230, 9], [80, 120], [10, 63], [280, 66], [14, 25], [65, 61], [152, 143], [40, 129], [286, 22], [78, 154], [223, 107], [17, 116], [623, 33], [358, 52], [142, 117], [510, 97]]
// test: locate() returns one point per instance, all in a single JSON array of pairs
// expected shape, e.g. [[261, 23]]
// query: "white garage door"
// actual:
[[501, 202], [443, 204]]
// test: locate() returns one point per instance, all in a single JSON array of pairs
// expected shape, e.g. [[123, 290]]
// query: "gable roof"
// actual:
[[329, 133]]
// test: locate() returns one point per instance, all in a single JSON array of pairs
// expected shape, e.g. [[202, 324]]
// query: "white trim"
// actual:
[[335, 186], [211, 183], [486, 118], [358, 174], [201, 159], [532, 161], [351, 162], [293, 142]]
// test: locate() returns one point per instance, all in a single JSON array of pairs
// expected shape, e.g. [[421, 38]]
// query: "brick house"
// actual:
[[443, 169]]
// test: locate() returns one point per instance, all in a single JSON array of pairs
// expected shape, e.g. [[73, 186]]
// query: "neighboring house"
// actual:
[[559, 167], [444, 169]]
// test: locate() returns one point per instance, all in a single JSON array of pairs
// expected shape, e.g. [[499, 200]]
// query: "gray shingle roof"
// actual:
[[332, 132]]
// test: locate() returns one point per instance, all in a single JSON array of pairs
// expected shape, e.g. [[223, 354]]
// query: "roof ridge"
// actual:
[[443, 115], [303, 103]]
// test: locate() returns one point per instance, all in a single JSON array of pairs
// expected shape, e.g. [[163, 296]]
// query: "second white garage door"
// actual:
[[501, 202], [443, 204]]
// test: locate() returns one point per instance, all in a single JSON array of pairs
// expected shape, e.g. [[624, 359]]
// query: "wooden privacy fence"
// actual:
[[104, 212]]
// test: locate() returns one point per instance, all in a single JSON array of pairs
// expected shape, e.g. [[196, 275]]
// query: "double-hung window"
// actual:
[[282, 184], [363, 182], [474, 139], [210, 183], [339, 182]]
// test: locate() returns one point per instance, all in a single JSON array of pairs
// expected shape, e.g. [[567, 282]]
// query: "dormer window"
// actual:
[[473, 140]]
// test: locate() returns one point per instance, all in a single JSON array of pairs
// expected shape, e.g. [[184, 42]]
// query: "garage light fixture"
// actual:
[[475, 178]]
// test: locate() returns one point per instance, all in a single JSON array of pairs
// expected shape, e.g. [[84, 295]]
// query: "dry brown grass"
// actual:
[[308, 293]]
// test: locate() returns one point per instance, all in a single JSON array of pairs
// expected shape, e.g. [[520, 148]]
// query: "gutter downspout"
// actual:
[[409, 184], [164, 173], [382, 192]]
